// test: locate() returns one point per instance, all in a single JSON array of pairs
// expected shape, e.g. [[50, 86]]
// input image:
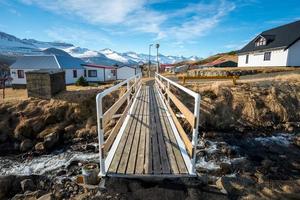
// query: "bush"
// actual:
[[82, 82]]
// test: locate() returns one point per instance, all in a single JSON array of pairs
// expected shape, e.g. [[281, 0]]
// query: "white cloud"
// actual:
[[136, 16], [93, 11], [81, 37], [200, 25]]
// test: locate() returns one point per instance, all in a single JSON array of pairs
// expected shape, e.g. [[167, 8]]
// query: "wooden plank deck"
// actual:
[[148, 145]]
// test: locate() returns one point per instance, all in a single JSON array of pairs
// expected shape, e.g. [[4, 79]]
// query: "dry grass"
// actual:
[[73, 93], [13, 95]]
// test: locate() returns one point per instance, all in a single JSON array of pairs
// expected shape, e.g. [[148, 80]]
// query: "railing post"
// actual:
[[195, 131], [128, 87], [168, 86], [100, 134]]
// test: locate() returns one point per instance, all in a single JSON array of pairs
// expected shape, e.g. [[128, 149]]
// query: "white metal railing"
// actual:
[[159, 80], [100, 115]]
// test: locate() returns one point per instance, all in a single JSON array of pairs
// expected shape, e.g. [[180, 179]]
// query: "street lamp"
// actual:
[[149, 59], [157, 46]]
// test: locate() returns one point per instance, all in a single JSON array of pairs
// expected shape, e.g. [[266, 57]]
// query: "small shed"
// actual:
[[45, 83], [125, 72]]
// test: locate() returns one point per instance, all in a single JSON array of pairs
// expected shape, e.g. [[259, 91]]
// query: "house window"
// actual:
[[74, 73], [247, 59], [114, 72], [267, 56], [261, 42], [92, 73], [85, 73], [20, 73]]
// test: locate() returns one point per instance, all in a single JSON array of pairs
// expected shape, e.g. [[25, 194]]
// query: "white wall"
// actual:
[[125, 72], [278, 58], [294, 55], [109, 75], [100, 75], [69, 75], [16, 80]]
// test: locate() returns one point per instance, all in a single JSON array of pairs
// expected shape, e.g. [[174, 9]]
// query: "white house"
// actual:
[[71, 66], [125, 72], [99, 73], [275, 47]]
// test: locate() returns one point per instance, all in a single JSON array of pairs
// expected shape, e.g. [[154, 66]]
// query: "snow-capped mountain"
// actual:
[[13, 46]]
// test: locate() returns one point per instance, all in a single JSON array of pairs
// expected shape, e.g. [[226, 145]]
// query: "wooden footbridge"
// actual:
[[148, 138]]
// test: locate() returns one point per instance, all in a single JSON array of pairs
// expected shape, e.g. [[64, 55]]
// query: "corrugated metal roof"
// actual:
[[69, 62], [47, 62], [35, 62]]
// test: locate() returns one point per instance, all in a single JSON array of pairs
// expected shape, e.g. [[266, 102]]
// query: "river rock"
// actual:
[[26, 145], [51, 140], [5, 185], [69, 131], [23, 131], [267, 164], [40, 147], [225, 168], [234, 185], [297, 141], [28, 195], [28, 185], [48, 196]]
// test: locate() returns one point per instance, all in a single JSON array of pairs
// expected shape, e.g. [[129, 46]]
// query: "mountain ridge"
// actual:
[[13, 46]]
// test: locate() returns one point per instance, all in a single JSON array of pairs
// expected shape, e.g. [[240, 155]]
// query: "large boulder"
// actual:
[[26, 145]]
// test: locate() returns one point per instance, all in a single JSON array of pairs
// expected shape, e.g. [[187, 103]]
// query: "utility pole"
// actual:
[[157, 69], [149, 59]]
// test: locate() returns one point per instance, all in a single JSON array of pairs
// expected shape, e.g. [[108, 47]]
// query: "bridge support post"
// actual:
[[100, 134], [195, 132]]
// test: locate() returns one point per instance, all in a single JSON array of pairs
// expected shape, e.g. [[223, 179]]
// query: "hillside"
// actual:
[[220, 56]]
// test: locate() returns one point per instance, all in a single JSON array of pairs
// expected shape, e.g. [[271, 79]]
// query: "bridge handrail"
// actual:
[[100, 114], [196, 114]]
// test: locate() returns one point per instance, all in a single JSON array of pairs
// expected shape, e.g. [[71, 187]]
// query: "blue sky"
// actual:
[[182, 27]]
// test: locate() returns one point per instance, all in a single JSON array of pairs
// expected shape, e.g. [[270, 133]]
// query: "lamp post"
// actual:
[[157, 69], [150, 45]]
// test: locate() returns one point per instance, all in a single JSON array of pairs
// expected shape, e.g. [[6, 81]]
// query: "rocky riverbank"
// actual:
[[41, 126], [268, 104], [229, 166]]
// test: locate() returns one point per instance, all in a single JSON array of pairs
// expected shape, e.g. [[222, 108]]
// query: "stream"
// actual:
[[211, 155]]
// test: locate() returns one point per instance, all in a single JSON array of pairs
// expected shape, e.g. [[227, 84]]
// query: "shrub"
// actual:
[[82, 82]]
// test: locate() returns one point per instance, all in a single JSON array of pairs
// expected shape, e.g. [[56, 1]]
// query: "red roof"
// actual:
[[99, 66], [167, 65]]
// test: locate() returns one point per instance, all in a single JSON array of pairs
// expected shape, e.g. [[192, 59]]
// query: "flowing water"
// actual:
[[210, 159], [43, 164], [211, 155]]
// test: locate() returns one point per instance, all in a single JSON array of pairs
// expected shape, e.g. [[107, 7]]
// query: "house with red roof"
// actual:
[[99, 73]]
